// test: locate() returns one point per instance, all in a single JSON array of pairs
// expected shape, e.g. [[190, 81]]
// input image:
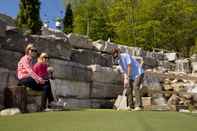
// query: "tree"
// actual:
[[168, 24], [68, 19], [178, 24], [29, 16], [91, 19]]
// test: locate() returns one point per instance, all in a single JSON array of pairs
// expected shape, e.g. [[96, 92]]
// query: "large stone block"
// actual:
[[99, 45], [77, 103], [171, 56], [194, 67], [70, 89], [49, 31], [9, 59], [104, 74], [70, 70], [88, 103], [14, 41], [135, 51], [2, 29], [88, 57], [54, 46], [4, 74], [105, 90], [12, 80], [109, 46], [104, 46], [169, 66], [183, 66], [149, 62], [80, 41], [102, 103], [7, 19], [152, 83], [34, 103], [155, 55]]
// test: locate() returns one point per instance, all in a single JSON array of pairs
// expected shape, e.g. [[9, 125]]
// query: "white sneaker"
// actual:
[[56, 104], [137, 108]]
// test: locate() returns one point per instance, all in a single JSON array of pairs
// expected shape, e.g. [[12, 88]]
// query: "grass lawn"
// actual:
[[100, 120]]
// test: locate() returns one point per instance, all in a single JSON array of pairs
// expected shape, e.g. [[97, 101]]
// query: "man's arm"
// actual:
[[129, 71]]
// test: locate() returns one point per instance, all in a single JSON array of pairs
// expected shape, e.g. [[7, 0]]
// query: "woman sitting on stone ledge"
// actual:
[[42, 69], [29, 78]]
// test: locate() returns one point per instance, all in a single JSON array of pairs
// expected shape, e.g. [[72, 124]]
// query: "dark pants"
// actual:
[[46, 88], [135, 85]]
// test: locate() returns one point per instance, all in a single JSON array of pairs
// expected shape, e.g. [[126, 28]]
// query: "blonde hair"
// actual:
[[29, 47], [42, 55]]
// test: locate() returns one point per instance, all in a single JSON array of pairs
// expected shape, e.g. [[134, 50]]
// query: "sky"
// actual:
[[50, 9]]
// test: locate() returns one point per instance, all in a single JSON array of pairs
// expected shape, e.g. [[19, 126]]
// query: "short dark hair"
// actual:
[[115, 50]]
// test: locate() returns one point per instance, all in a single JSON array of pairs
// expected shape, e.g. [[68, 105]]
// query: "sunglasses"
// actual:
[[33, 50], [46, 57]]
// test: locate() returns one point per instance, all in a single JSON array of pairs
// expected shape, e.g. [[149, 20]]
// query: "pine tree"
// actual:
[[29, 16], [68, 19]]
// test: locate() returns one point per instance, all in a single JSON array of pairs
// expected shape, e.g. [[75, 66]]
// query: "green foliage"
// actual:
[[29, 16], [168, 24], [91, 19], [68, 20]]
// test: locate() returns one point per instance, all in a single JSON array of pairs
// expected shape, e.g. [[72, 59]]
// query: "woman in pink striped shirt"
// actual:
[[29, 78]]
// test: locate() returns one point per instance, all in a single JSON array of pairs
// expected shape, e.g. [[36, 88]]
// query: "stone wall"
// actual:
[[85, 76]]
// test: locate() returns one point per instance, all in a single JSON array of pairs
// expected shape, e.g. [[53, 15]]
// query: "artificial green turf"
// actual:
[[100, 120]]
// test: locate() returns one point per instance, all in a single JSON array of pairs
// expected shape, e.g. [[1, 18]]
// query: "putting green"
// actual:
[[100, 120]]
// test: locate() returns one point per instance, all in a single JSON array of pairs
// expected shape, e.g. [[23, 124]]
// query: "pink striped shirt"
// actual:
[[24, 69]]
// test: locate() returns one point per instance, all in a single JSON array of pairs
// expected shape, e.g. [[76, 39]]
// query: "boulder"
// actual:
[[7, 19], [102, 103], [77, 103], [88, 103], [109, 46], [12, 79], [99, 45], [194, 67], [159, 100], [167, 87], [48, 31], [80, 41], [10, 112], [166, 65], [171, 56], [105, 90], [183, 66], [178, 87], [2, 29], [149, 63], [89, 57], [9, 59], [135, 51], [104, 74], [173, 101], [193, 58], [70, 70], [4, 74], [54, 46], [33, 103], [70, 89], [152, 83]]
